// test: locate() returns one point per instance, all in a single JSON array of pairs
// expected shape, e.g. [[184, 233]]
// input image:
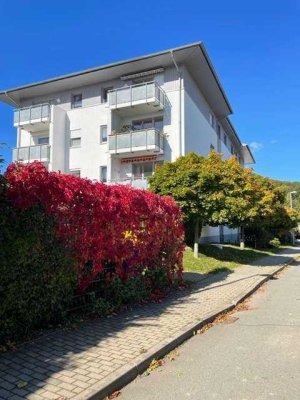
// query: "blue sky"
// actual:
[[253, 45]]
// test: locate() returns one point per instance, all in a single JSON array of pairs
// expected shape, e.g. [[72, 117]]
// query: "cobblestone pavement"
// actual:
[[73, 364]]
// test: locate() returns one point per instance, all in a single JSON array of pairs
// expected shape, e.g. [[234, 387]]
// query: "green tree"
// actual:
[[182, 180], [219, 192]]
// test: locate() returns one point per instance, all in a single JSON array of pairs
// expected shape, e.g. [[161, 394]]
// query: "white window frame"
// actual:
[[42, 137], [103, 167], [212, 119], [75, 146], [101, 136], [74, 172], [73, 104]]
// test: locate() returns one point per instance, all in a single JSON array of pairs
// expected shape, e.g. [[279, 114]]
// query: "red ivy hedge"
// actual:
[[102, 225]]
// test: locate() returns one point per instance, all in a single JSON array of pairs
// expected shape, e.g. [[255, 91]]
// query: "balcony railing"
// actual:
[[137, 182], [142, 93], [141, 140], [32, 114], [32, 153]]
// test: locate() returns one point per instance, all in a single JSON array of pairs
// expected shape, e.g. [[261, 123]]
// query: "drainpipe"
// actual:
[[180, 103]]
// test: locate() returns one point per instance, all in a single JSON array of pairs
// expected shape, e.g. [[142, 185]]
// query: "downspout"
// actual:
[[180, 102]]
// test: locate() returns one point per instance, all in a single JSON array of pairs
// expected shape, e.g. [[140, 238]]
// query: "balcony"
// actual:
[[142, 96], [32, 153], [137, 182], [35, 116], [142, 141]]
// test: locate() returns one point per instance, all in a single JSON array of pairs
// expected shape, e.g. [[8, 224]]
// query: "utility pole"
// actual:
[[291, 205]]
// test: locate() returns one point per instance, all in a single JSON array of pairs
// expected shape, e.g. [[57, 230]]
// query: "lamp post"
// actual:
[[291, 205], [291, 197]]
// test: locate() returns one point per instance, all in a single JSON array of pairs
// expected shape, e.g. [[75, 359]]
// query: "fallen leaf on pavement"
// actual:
[[22, 384], [114, 395]]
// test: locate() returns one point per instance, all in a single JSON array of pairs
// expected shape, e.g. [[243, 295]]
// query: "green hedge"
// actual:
[[36, 276]]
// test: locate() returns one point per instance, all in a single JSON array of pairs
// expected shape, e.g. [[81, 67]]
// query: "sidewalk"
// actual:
[[102, 355]]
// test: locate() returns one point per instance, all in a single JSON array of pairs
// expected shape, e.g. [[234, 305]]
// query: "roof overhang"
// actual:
[[193, 56], [247, 154]]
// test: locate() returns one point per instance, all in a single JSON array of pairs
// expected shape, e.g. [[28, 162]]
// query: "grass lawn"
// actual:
[[213, 259]]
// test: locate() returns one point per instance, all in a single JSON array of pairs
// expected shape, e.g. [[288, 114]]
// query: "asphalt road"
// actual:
[[254, 357]]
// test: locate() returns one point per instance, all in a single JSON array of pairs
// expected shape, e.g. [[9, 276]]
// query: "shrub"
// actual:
[[275, 242], [59, 233], [130, 229], [36, 275]]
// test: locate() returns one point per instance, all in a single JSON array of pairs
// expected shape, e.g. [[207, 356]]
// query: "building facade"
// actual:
[[118, 122]]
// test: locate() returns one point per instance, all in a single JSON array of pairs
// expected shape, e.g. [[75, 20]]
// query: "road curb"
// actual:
[[124, 375]]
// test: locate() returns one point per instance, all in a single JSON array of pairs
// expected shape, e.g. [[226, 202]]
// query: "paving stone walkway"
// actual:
[[76, 364]]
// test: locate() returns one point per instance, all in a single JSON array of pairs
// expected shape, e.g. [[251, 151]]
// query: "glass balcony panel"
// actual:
[[24, 114], [151, 137], [36, 112], [123, 141], [151, 89], [35, 153], [140, 183], [112, 96], [45, 110], [138, 92], [23, 154], [112, 142], [139, 139], [45, 152], [16, 116], [15, 154], [123, 96]]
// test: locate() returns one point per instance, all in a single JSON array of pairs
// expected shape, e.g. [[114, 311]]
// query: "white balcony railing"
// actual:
[[32, 153], [138, 182], [142, 93], [32, 114], [141, 140]]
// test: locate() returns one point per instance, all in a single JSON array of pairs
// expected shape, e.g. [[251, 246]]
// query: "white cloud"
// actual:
[[255, 146]]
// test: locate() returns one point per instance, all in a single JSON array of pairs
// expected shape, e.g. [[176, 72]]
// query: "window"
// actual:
[[212, 120], [43, 140], [75, 172], [105, 94], [76, 100], [75, 142], [225, 139], [232, 149], [143, 170], [103, 134], [212, 147], [149, 123], [103, 174], [219, 131]]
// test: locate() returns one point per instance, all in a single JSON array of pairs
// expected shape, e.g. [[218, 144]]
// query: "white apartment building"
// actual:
[[117, 122]]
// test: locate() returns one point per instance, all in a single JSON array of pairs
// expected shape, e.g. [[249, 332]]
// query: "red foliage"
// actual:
[[128, 228]]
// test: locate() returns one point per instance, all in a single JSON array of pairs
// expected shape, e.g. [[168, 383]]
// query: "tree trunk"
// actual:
[[196, 239], [242, 238]]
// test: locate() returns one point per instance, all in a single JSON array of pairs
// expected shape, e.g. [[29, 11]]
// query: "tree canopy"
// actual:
[[222, 192]]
